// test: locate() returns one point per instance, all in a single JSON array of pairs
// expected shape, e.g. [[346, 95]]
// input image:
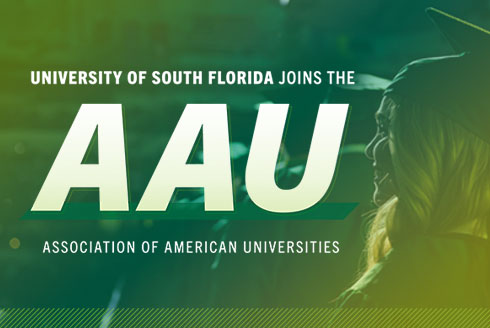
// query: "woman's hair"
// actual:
[[442, 178]]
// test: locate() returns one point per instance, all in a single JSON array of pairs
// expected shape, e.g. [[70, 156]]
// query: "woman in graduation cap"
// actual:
[[428, 243]]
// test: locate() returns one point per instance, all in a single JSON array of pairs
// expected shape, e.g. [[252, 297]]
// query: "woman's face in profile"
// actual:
[[379, 150]]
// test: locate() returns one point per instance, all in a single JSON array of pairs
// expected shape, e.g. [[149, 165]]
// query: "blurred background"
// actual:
[[374, 38]]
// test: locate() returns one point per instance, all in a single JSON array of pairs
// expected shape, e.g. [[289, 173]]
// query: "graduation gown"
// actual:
[[428, 271]]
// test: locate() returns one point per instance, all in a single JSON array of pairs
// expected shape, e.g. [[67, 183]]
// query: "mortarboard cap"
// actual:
[[456, 86]]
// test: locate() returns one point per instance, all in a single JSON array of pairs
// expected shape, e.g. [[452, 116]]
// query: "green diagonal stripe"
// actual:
[[243, 317]]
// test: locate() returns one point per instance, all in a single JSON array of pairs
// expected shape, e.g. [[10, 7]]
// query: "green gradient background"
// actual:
[[374, 38]]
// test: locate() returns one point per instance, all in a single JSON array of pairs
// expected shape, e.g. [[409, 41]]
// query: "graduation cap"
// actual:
[[461, 35], [458, 85]]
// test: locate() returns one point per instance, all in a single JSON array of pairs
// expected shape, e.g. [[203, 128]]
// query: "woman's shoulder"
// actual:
[[450, 270]]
